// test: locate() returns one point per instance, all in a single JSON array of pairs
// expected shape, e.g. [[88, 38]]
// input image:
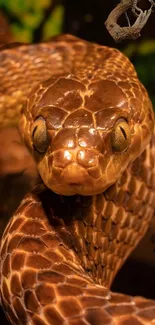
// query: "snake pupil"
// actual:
[[123, 132], [34, 131]]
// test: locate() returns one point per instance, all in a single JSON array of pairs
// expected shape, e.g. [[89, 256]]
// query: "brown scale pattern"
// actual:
[[53, 271], [59, 254]]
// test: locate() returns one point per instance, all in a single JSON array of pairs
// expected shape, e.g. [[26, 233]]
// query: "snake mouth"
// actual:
[[73, 179]]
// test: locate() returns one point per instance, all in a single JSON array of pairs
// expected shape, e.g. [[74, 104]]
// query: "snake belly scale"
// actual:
[[89, 123]]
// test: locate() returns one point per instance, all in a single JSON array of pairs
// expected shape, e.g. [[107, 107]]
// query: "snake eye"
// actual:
[[40, 136], [120, 135]]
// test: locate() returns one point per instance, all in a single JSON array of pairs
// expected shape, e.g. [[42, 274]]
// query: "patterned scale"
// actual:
[[63, 247]]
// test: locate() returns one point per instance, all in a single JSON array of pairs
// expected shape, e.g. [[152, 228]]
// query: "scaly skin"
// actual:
[[60, 252]]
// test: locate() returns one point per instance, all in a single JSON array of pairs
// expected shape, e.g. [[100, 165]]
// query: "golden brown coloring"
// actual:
[[89, 124]]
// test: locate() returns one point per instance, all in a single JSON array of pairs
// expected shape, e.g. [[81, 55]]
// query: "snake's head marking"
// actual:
[[84, 133]]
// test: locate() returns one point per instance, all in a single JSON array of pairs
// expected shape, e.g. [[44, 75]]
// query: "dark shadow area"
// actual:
[[136, 278]]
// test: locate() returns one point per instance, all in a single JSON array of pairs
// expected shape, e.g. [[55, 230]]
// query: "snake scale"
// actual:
[[89, 123]]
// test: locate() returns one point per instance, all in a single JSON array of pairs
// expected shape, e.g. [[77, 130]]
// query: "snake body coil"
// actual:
[[89, 123]]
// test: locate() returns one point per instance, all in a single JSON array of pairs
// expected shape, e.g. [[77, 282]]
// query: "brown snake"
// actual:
[[89, 125]]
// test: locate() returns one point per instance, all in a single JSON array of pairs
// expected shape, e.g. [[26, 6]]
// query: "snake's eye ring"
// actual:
[[121, 135], [40, 136]]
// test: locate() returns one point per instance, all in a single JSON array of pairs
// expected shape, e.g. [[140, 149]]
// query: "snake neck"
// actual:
[[103, 230]]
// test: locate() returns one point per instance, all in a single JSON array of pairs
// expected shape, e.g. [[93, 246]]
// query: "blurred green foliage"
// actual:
[[27, 15], [53, 25]]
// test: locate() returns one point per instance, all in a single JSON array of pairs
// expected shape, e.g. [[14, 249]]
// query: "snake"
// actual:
[[88, 121]]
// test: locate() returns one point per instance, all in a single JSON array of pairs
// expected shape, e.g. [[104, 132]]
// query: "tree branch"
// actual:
[[128, 32]]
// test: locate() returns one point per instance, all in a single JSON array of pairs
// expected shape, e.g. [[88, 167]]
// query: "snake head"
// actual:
[[84, 133]]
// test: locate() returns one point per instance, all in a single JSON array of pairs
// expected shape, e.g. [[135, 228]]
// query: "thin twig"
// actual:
[[127, 18]]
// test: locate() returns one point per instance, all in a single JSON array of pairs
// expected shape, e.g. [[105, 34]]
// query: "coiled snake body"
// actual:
[[89, 125]]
